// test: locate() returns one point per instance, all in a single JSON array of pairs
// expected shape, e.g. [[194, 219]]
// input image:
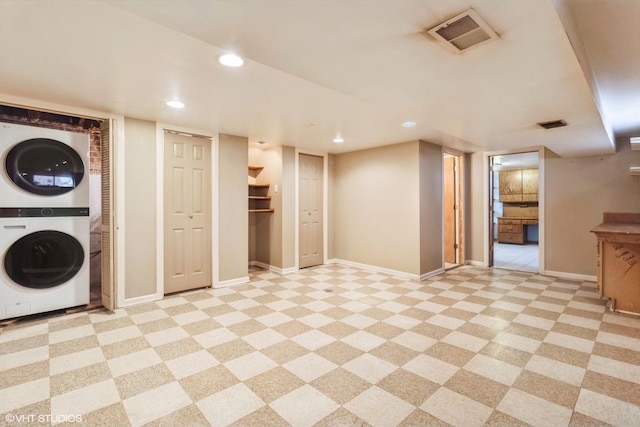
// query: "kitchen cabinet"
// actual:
[[520, 185], [259, 199], [618, 260]]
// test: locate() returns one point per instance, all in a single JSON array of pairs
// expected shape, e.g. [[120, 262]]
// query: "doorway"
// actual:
[[514, 212], [452, 210], [187, 212], [311, 208]]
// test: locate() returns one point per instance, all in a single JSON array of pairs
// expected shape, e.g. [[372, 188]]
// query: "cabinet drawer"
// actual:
[[530, 221], [509, 228], [511, 238], [502, 221]]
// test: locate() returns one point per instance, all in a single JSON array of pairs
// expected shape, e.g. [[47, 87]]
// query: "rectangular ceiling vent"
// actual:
[[552, 124], [463, 32]]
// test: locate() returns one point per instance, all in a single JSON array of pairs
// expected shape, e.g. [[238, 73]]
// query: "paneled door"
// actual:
[[187, 212], [310, 199]]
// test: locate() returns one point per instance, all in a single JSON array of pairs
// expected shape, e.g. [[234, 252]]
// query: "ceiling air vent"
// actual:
[[552, 124], [463, 32]]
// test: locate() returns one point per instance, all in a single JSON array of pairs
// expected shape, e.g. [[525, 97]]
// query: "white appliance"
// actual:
[[44, 255], [43, 167]]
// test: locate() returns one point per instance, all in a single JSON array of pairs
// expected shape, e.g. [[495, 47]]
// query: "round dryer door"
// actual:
[[44, 259], [45, 167]]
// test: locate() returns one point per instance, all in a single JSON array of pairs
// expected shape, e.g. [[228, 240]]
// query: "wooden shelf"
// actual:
[[259, 200]]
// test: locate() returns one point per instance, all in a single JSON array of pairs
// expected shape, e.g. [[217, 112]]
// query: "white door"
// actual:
[[311, 221], [187, 212]]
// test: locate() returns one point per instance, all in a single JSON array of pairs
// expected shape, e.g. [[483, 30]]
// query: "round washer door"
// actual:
[[44, 259], [45, 167]]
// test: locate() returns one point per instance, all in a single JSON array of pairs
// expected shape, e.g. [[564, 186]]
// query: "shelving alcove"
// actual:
[[259, 200]]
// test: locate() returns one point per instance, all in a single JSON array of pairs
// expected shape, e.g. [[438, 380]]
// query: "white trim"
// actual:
[[161, 128], [570, 276], [325, 204], [273, 268], [232, 282], [425, 276], [377, 269], [138, 300], [487, 232]]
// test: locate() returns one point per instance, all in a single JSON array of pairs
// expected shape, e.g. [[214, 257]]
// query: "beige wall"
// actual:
[[232, 209], [269, 226], [577, 192], [431, 208], [140, 214], [376, 203], [288, 200], [474, 221]]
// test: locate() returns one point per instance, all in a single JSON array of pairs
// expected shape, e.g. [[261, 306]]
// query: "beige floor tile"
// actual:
[[118, 335], [133, 362], [292, 328], [208, 382], [86, 399], [547, 388], [264, 338], [477, 387], [613, 387], [363, 340], [143, 380], [191, 363], [339, 352], [563, 354], [313, 339], [156, 403], [449, 353], [494, 369], [518, 342], [76, 360], [464, 341], [340, 385], [274, 383], [249, 365], [246, 327], [607, 409], [24, 357], [274, 318], [304, 406], [557, 370], [506, 354], [533, 410], [79, 378], [500, 419], [337, 329], [264, 416], [20, 395], [370, 368], [581, 420], [379, 407], [310, 366], [25, 373], [408, 386], [285, 351], [456, 409], [421, 418], [432, 369]]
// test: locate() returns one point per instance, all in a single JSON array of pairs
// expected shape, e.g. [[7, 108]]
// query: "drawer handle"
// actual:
[[15, 227]]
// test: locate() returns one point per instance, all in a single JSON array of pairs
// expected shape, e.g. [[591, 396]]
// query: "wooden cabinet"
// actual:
[[530, 185], [259, 199], [519, 185], [514, 230], [618, 260], [510, 186]]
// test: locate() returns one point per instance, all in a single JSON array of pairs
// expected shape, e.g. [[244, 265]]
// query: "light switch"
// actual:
[[275, 188]]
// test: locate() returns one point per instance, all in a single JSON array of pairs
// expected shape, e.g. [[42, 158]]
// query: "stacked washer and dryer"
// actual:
[[44, 220]]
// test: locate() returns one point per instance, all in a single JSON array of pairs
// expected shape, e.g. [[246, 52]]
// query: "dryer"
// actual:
[[44, 255], [43, 167]]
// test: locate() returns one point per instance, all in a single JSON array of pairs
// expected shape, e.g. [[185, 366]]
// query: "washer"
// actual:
[[44, 255], [43, 167]]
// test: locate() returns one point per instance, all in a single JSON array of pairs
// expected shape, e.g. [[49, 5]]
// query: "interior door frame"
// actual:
[[161, 128], [325, 208], [488, 204], [459, 201]]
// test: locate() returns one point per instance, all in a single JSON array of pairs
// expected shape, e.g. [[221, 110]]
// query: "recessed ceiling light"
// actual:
[[231, 60], [175, 104], [338, 140], [408, 124]]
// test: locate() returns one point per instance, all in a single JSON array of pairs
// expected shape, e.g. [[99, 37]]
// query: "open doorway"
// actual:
[[514, 213], [452, 167]]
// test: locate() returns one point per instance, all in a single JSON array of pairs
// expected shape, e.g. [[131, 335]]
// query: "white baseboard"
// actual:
[[375, 268], [425, 276], [275, 269], [476, 263], [139, 300], [232, 282], [570, 276]]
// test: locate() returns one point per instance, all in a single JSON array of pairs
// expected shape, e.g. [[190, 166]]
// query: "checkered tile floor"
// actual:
[[334, 345]]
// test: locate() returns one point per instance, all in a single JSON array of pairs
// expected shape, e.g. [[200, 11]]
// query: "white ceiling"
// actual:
[[318, 68]]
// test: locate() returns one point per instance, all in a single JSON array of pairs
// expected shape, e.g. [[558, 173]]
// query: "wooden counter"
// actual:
[[618, 261]]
